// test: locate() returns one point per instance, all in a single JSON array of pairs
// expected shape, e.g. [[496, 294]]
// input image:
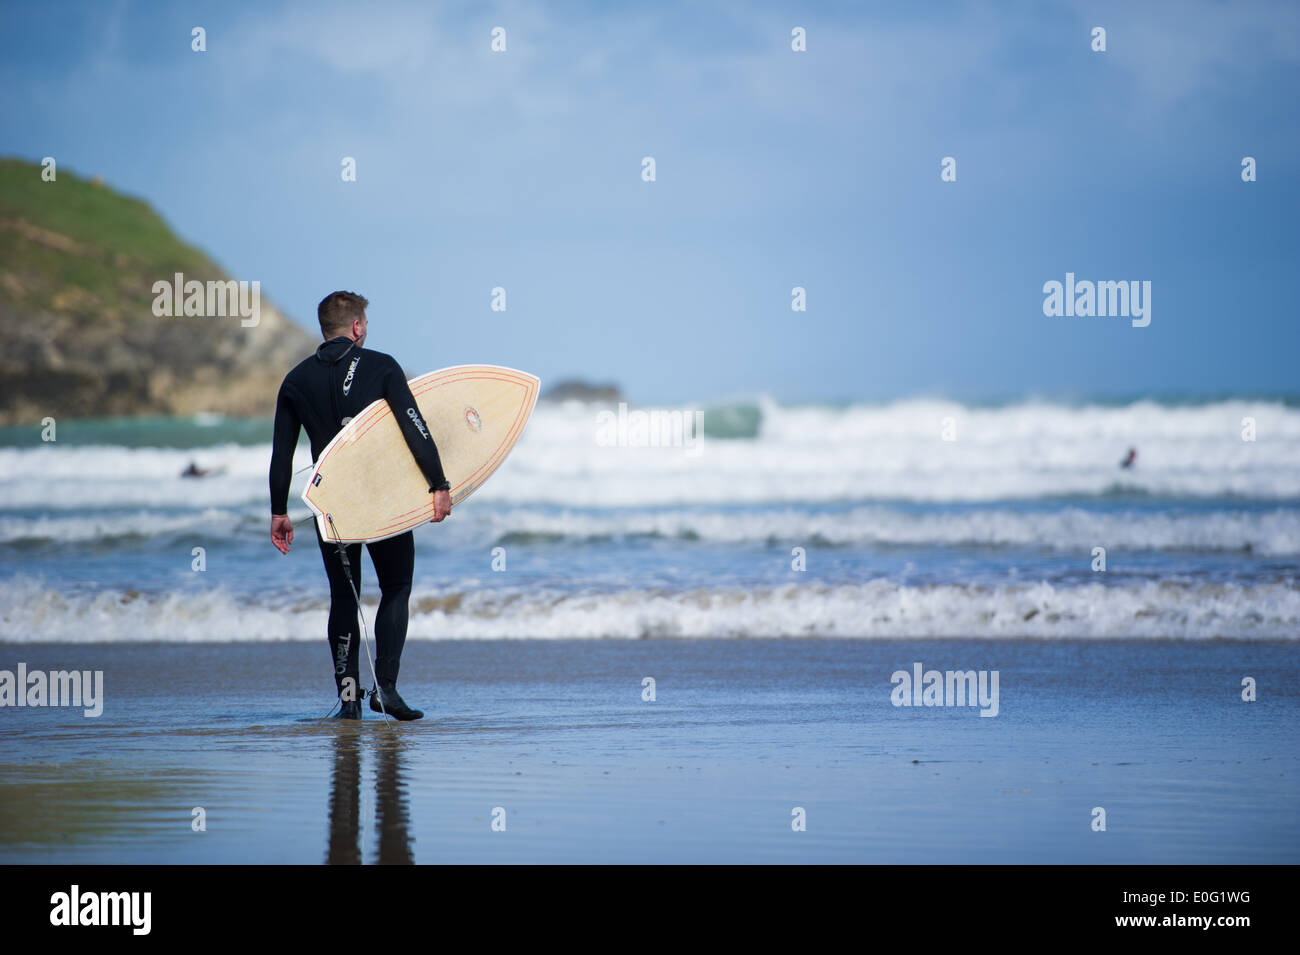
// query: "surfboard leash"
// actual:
[[365, 639]]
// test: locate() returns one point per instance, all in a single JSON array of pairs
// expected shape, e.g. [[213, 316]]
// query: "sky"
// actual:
[[774, 169]]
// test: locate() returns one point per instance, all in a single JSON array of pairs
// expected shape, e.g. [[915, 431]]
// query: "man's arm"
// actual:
[[283, 443], [398, 394]]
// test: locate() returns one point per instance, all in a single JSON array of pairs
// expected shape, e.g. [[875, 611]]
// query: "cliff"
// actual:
[[78, 267]]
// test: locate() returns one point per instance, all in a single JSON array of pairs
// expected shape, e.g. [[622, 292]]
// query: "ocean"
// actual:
[[785, 572], [848, 521]]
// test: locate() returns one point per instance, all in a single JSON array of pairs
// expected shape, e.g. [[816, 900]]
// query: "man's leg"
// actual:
[[344, 638], [394, 561]]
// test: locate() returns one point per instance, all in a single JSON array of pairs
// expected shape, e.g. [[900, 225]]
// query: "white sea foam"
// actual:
[[1269, 532], [800, 454], [112, 525], [34, 612]]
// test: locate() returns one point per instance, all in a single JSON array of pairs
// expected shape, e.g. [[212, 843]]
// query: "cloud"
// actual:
[[1173, 52]]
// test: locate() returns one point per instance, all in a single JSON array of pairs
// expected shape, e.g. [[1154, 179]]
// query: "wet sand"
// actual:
[[741, 733]]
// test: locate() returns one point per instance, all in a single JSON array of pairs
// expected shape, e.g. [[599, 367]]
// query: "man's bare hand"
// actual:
[[441, 506], [281, 532]]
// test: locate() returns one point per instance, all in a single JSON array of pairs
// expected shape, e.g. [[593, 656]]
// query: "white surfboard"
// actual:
[[366, 485]]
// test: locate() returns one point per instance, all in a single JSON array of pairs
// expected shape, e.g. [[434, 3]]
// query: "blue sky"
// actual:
[[775, 169]]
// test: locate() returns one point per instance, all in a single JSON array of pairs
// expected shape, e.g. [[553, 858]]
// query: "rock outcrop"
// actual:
[[78, 267]]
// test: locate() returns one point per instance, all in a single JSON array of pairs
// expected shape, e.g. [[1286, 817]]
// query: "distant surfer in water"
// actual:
[[194, 471], [321, 395], [1129, 461]]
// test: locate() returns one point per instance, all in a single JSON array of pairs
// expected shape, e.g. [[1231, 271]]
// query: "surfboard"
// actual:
[[369, 484]]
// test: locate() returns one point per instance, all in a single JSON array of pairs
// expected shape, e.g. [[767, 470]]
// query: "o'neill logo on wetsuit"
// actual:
[[415, 418], [347, 382], [341, 655]]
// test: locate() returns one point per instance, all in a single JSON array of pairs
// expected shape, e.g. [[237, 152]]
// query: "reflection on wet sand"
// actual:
[[392, 810], [345, 801]]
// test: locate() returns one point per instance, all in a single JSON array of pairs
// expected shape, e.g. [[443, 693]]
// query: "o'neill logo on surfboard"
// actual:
[[473, 420]]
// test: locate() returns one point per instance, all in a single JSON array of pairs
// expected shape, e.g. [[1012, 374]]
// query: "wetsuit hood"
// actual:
[[332, 351]]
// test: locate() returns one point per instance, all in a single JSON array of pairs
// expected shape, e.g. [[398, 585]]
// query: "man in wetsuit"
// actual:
[[322, 394]]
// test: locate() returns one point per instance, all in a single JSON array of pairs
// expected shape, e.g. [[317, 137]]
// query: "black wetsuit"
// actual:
[[320, 395]]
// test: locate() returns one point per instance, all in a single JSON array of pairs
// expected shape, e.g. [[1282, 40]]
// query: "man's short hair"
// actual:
[[338, 310]]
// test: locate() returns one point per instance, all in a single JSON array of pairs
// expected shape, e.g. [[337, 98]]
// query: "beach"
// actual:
[[554, 739], [771, 580]]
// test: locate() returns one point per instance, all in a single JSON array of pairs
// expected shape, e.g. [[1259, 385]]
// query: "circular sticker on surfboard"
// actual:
[[472, 419]]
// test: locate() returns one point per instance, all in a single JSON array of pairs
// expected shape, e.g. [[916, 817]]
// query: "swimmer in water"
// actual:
[[195, 471]]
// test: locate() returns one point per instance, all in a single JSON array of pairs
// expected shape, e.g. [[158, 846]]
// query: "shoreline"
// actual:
[[740, 734]]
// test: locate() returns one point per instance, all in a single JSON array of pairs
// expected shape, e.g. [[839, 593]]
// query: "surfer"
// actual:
[[321, 394], [1129, 461], [194, 471]]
